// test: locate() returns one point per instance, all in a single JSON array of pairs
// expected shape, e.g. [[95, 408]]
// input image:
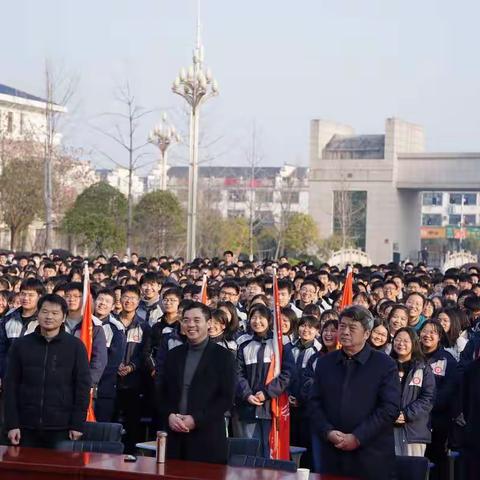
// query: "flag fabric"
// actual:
[[279, 438], [203, 293], [347, 294], [86, 330]]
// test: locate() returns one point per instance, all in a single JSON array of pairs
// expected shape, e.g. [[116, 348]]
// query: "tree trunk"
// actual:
[[13, 237]]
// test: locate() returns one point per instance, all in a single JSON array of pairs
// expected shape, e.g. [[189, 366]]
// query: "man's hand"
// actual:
[[189, 422], [14, 436], [253, 400], [176, 423], [260, 396], [335, 437], [348, 443], [74, 435], [400, 419], [124, 370]]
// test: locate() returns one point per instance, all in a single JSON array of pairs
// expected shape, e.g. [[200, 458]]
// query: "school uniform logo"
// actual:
[[417, 379], [439, 367]]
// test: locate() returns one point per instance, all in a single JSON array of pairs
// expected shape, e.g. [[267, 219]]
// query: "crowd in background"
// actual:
[[426, 320]]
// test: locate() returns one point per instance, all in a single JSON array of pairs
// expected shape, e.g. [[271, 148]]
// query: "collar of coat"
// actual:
[[361, 357]]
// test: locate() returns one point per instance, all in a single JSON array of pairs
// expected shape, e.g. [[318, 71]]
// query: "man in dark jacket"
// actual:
[[197, 390], [355, 400], [48, 382], [21, 321]]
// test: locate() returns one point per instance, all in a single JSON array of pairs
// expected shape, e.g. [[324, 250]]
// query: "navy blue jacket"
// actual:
[[136, 353], [149, 314], [99, 358], [360, 395], [116, 345], [253, 361], [471, 402], [417, 402], [12, 327], [447, 380], [471, 351], [301, 355]]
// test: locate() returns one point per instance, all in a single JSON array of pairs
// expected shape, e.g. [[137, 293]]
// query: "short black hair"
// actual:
[[150, 277], [131, 289], [359, 314], [74, 286], [33, 284], [53, 298], [207, 313]]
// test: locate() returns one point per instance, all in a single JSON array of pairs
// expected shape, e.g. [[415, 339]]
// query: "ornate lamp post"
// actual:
[[196, 86], [164, 135]]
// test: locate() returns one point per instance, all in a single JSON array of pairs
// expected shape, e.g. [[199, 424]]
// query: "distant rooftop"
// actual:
[[235, 172], [355, 146], [6, 90]]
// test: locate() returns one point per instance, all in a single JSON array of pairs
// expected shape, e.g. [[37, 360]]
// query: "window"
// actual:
[[468, 198], [470, 219], [22, 123], [454, 219], [264, 196], [10, 122], [237, 195], [433, 198], [235, 213], [432, 219], [265, 217], [290, 197]]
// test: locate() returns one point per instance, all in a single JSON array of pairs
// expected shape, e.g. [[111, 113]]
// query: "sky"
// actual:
[[278, 64]]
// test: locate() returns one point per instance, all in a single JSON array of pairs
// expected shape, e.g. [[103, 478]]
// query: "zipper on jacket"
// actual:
[[43, 382]]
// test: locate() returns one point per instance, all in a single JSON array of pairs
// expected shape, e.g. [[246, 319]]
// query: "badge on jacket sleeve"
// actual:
[[439, 367], [417, 379]]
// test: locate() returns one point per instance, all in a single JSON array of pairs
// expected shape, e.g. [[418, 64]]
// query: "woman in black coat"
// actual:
[[412, 427]]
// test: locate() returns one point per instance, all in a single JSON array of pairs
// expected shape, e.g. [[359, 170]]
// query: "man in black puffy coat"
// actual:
[[48, 382]]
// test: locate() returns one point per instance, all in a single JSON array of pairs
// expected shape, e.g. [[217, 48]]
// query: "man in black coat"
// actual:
[[196, 390], [48, 381], [354, 403]]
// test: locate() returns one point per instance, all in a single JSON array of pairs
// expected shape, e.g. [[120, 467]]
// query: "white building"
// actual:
[[22, 115], [118, 178]]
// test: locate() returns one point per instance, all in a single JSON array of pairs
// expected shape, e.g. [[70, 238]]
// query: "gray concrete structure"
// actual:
[[393, 169]]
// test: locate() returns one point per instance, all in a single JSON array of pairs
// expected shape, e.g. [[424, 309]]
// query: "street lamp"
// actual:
[[196, 86], [163, 135]]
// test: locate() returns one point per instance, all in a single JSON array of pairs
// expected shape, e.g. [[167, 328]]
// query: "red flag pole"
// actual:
[[86, 331], [203, 295], [279, 437]]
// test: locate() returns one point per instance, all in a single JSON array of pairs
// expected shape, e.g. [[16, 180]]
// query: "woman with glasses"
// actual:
[[412, 430], [445, 408]]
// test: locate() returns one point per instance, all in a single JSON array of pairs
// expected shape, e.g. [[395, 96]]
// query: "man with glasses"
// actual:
[[129, 383], [230, 292], [21, 321], [73, 325]]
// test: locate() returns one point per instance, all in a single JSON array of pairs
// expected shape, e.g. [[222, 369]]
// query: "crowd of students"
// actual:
[[428, 322]]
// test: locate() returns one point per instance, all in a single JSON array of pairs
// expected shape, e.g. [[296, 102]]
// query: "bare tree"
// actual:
[[125, 132], [59, 89]]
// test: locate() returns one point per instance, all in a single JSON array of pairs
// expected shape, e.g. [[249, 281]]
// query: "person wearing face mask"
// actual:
[[445, 407], [253, 394], [412, 430]]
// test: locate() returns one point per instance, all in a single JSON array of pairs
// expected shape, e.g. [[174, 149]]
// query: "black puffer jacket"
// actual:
[[47, 384]]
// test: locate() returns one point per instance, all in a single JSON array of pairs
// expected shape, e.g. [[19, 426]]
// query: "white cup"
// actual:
[[303, 473]]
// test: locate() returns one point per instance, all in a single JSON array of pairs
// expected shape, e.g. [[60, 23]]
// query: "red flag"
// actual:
[[280, 431], [86, 331], [347, 294], [203, 294]]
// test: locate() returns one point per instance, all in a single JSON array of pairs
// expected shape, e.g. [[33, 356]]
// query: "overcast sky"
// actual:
[[279, 64]]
